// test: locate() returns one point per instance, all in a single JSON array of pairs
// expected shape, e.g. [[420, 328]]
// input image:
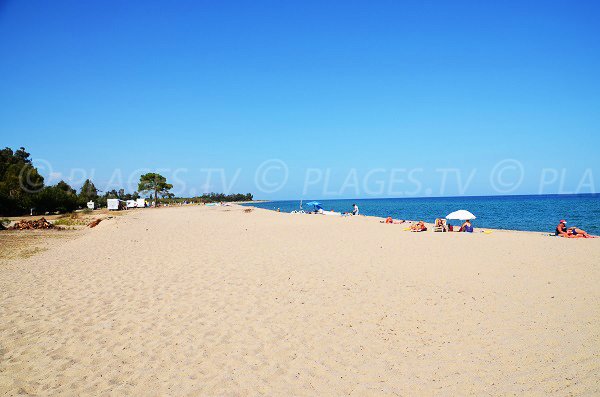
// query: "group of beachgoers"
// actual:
[[570, 232], [354, 210], [318, 209], [440, 225]]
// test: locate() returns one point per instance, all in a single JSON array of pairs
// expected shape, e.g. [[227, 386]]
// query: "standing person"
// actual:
[[354, 209]]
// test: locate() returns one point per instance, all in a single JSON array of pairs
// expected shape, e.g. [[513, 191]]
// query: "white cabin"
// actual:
[[113, 204]]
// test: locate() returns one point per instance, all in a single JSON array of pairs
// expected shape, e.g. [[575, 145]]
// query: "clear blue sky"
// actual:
[[128, 85]]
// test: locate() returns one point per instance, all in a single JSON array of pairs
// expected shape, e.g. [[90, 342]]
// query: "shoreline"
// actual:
[[524, 213], [408, 222]]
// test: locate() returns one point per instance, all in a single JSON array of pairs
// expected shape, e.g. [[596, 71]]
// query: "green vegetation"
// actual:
[[22, 190], [218, 197], [155, 183], [70, 220], [210, 198], [22, 187], [88, 193], [19, 182], [59, 198]]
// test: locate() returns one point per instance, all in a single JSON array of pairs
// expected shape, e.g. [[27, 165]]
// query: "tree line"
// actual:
[[22, 189], [213, 198]]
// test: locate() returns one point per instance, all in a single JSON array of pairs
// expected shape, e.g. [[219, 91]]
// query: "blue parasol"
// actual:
[[315, 204]]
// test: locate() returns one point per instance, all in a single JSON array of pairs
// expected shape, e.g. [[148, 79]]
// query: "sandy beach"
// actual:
[[218, 301]]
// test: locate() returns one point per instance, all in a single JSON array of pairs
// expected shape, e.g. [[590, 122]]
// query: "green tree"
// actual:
[[216, 197], [121, 195], [112, 194], [88, 193], [58, 198], [153, 182], [19, 181], [65, 187]]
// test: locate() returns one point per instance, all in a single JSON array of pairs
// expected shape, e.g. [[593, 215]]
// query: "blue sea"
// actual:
[[531, 213]]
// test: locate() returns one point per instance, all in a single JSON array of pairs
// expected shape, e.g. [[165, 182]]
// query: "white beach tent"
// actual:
[[90, 205], [141, 203], [131, 203], [461, 215]]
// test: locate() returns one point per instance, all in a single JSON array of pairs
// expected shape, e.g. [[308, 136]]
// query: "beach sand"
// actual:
[[218, 301]]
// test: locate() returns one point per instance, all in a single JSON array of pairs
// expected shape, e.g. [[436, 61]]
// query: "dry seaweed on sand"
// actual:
[[41, 223], [95, 223]]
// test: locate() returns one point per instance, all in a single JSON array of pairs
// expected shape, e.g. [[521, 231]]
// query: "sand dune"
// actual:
[[215, 301]]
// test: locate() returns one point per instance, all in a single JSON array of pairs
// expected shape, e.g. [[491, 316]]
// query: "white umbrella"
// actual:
[[462, 215]]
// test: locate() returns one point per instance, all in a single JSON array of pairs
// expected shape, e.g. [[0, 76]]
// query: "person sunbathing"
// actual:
[[561, 229], [579, 233], [576, 232], [391, 220], [572, 232], [440, 225], [418, 227], [466, 227]]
